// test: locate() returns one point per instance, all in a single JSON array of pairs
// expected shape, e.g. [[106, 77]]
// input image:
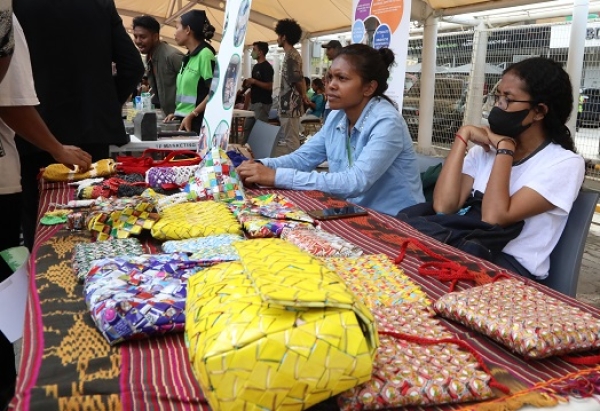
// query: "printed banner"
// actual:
[[385, 23], [228, 69]]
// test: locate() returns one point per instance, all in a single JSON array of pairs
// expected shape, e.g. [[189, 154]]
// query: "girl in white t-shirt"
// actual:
[[524, 163]]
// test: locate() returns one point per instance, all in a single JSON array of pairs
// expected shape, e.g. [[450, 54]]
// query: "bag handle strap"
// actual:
[[445, 269]]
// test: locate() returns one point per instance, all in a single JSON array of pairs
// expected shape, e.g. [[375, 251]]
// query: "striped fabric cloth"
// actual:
[[66, 364]]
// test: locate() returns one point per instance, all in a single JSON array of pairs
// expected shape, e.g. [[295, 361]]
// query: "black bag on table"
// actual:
[[464, 231]]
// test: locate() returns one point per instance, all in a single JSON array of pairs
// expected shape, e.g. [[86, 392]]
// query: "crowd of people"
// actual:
[[524, 165]]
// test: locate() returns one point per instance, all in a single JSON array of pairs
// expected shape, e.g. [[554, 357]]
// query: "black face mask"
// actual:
[[508, 123]]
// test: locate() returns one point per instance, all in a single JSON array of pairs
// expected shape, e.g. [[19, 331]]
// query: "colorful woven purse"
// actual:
[[522, 318], [169, 177], [277, 330], [215, 179], [60, 172], [134, 297]]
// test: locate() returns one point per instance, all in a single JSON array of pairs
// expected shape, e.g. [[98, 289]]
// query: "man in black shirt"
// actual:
[[261, 87]]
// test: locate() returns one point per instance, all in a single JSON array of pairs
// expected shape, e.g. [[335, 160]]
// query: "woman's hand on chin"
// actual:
[[477, 135], [253, 173]]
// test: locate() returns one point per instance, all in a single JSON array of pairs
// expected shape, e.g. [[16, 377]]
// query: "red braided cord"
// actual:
[[585, 360], [462, 344]]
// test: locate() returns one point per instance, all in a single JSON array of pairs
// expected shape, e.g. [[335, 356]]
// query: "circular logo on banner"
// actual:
[[214, 84], [230, 81], [363, 9], [382, 36], [388, 12], [221, 136], [358, 31], [203, 138], [241, 23]]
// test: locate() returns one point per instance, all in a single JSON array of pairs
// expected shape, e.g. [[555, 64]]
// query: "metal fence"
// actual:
[[504, 46]]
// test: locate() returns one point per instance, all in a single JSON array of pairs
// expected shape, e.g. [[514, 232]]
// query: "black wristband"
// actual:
[[258, 161], [505, 151]]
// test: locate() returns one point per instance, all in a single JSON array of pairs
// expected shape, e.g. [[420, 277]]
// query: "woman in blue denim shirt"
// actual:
[[364, 140]]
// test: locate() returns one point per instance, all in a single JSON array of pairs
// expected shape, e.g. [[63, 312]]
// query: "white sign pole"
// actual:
[[219, 109]]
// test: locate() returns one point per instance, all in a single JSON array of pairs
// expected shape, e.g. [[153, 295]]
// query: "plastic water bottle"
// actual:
[[146, 102]]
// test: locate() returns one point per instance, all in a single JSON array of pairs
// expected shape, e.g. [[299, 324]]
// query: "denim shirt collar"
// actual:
[[343, 123]]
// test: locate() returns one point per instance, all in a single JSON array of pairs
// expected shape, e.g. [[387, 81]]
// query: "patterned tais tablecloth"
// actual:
[[67, 365]]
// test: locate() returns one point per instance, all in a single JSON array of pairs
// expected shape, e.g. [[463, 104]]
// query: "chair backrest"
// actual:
[[565, 259], [262, 139]]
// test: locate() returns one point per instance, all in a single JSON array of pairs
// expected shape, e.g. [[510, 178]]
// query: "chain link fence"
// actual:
[[504, 47]]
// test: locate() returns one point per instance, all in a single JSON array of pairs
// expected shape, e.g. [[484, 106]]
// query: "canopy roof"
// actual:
[[316, 17]]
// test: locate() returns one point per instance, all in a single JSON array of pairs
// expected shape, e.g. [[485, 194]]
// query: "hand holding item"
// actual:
[[74, 158], [169, 117], [253, 172]]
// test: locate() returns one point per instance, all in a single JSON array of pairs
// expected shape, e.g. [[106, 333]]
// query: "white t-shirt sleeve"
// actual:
[[560, 181], [17, 88]]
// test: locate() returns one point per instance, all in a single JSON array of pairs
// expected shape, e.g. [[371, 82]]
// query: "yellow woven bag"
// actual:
[[276, 331], [190, 220], [60, 172]]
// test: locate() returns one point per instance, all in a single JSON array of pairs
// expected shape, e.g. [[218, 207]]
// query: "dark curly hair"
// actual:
[[290, 29], [371, 64], [147, 22], [548, 83]]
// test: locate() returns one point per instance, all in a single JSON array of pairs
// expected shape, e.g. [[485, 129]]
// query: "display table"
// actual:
[[66, 363]]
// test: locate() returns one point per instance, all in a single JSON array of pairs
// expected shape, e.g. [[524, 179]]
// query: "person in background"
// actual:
[[17, 113], [7, 41], [524, 164], [316, 105], [261, 87], [162, 60], [80, 99], [309, 91], [292, 88], [193, 81], [366, 142], [332, 49]]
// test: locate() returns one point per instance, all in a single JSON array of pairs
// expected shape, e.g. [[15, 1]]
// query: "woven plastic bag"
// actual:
[[60, 172], [160, 177], [199, 219], [522, 318], [121, 217], [85, 253], [268, 215], [418, 362], [136, 297], [215, 179], [277, 330]]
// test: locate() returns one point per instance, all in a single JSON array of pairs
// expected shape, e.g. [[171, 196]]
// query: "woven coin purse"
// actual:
[[199, 219], [522, 318], [277, 330], [60, 172]]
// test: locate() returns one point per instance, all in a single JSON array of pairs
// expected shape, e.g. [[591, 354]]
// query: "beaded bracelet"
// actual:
[[512, 140], [505, 151]]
